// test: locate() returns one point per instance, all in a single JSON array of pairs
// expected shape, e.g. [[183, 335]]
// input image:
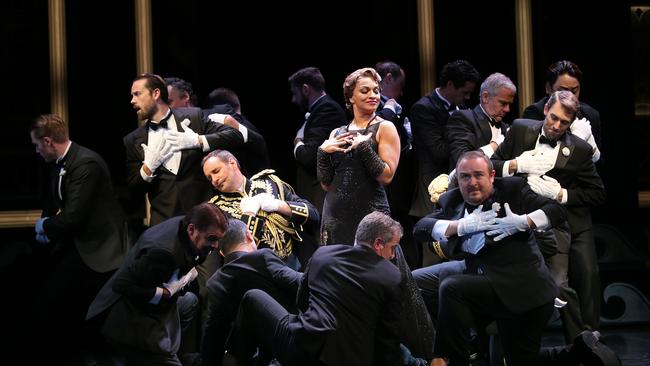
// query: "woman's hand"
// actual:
[[334, 144], [359, 138]]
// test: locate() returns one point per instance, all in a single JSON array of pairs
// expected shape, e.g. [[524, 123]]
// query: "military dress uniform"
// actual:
[[271, 229]]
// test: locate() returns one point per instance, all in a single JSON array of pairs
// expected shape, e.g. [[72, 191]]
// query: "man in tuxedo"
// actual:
[[559, 166], [180, 93], [483, 127], [244, 268], [254, 156], [490, 222], [349, 301], [429, 122], [322, 115], [82, 227], [143, 298], [566, 75], [400, 190], [163, 156]]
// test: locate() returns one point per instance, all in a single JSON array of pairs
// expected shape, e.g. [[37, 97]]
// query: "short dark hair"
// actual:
[[184, 87], [560, 68], [224, 96], [153, 82], [52, 126], [459, 72], [310, 76], [384, 68], [235, 235], [475, 154], [376, 225], [567, 99], [204, 215]]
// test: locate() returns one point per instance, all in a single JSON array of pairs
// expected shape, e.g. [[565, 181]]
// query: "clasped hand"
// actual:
[[545, 186], [478, 220], [532, 162], [183, 140], [508, 225], [335, 143], [157, 155], [175, 284]]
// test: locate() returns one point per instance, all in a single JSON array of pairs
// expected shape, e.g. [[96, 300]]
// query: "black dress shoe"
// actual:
[[590, 351]]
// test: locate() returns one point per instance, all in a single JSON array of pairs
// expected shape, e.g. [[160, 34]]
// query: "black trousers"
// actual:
[[263, 323], [466, 298]]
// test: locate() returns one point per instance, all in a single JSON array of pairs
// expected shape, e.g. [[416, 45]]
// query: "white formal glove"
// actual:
[[499, 139], [508, 225], [581, 128], [42, 238], [267, 202], [478, 220], [218, 117], [156, 156], [175, 284], [533, 163], [249, 205], [183, 140], [39, 225], [545, 186]]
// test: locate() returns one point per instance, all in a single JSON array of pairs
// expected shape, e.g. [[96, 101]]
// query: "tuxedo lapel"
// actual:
[[61, 174], [140, 137], [178, 118], [483, 124], [533, 131], [565, 145]]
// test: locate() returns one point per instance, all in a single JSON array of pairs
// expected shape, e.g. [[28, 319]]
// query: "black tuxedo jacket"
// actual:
[[429, 125], [87, 215], [349, 301], [535, 112], [133, 320], [468, 130], [324, 116], [242, 271], [253, 156], [514, 264], [170, 194], [575, 171]]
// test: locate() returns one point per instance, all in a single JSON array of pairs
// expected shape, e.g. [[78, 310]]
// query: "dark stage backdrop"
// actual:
[[252, 48]]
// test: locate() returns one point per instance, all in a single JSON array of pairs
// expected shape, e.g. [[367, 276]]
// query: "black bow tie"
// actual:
[[155, 126], [451, 108], [545, 140], [162, 123]]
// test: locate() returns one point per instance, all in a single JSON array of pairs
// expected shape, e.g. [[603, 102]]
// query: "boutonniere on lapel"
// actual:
[[566, 151]]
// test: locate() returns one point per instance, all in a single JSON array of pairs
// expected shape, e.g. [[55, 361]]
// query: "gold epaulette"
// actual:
[[263, 173]]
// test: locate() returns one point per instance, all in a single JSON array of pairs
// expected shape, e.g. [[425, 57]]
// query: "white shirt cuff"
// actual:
[[217, 117], [244, 132], [145, 177], [295, 148], [487, 149], [206, 146], [439, 229], [565, 196], [540, 219], [156, 298], [505, 172]]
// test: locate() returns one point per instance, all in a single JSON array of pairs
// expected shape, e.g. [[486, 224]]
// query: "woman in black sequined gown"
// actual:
[[357, 161]]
